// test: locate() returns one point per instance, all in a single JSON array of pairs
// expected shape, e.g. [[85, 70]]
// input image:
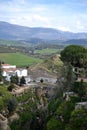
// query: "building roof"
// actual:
[[81, 103], [10, 69], [6, 65]]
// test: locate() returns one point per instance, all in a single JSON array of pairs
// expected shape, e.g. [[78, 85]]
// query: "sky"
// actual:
[[65, 15]]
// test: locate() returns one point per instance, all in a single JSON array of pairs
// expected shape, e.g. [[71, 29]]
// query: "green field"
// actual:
[[47, 51], [18, 59]]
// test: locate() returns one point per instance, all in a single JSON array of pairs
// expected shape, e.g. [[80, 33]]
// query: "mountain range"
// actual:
[[38, 34]]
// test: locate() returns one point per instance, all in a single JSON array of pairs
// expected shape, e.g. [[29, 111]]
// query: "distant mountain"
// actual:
[[76, 41], [36, 35]]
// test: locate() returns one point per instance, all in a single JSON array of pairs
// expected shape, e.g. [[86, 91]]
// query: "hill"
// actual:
[[36, 34], [47, 67], [76, 41]]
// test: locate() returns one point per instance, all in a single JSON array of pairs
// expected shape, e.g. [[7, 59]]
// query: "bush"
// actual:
[[54, 124], [78, 120], [12, 104], [41, 80], [1, 104], [11, 87]]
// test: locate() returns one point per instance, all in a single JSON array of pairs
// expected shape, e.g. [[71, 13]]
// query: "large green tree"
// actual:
[[78, 120], [79, 88], [75, 54]]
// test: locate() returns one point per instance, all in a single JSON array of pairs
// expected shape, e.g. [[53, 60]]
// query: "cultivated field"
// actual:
[[18, 59], [47, 51]]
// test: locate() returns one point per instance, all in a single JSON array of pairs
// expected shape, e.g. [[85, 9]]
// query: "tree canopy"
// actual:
[[75, 54], [78, 120], [22, 80]]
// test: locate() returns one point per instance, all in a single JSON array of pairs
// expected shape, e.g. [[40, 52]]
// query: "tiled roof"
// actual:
[[10, 69]]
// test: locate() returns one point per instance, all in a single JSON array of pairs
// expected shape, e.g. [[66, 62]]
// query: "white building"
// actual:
[[80, 105], [9, 70], [8, 66], [21, 72]]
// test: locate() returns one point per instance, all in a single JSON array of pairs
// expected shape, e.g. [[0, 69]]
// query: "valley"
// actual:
[[43, 79], [48, 96]]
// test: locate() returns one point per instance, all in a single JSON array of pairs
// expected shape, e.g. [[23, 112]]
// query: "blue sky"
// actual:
[[66, 15]]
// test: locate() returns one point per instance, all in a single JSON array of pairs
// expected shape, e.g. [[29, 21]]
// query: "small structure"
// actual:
[[3, 123], [81, 105], [67, 95]]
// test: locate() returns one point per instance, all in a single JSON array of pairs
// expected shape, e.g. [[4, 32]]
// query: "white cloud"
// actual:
[[26, 13], [63, 28], [79, 25], [42, 19], [31, 20]]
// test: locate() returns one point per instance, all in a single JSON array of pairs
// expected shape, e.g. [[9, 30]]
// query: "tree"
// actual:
[[69, 77], [14, 79], [22, 80], [66, 78], [41, 80], [75, 54], [11, 87], [12, 104], [79, 88], [81, 91], [78, 120], [55, 124]]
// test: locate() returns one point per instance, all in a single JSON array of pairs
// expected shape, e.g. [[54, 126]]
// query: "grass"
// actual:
[[3, 91], [18, 59], [50, 64], [4, 97], [47, 51]]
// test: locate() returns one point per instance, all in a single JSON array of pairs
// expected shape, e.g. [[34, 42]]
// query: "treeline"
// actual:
[[46, 45]]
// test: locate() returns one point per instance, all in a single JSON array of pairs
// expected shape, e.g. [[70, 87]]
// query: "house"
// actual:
[[81, 105], [8, 66], [9, 70], [21, 72]]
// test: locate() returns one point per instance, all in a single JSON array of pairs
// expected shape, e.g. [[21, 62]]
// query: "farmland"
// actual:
[[47, 51], [18, 59]]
